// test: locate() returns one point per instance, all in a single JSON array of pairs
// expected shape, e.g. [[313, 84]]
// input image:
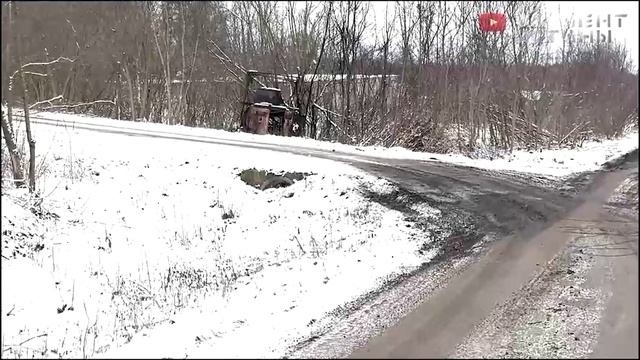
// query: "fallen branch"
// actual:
[[80, 104], [34, 337], [300, 245], [61, 58], [571, 132], [49, 101], [15, 180], [327, 110], [35, 73]]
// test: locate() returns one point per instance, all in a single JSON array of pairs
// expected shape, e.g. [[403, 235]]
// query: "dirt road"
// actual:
[[458, 311]]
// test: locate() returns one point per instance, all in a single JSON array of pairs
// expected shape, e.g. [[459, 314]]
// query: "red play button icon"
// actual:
[[492, 22]]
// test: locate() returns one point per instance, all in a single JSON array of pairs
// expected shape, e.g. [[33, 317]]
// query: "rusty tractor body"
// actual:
[[265, 112]]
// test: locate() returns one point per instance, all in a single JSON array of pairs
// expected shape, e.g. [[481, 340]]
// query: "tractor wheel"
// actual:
[[276, 182]]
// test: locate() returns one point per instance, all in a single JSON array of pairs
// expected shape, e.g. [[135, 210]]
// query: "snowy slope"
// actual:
[[155, 248], [158, 245]]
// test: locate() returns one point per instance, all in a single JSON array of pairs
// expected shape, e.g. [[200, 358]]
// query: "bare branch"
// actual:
[[48, 101], [33, 337], [61, 58], [35, 73], [80, 104], [224, 59], [74, 33], [331, 122]]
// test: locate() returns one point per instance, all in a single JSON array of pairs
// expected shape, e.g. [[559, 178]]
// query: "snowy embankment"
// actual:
[[153, 247]]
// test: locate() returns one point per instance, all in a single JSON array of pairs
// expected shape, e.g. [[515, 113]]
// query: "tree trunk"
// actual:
[[180, 112], [118, 97], [9, 94], [167, 43], [132, 102], [16, 161], [164, 61], [32, 143], [27, 120], [52, 80]]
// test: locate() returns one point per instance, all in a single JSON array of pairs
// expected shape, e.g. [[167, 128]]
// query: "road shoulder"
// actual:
[[436, 327], [584, 303]]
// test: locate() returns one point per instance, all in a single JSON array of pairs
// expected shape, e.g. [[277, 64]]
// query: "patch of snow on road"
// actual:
[[555, 315], [425, 210], [156, 248], [624, 200]]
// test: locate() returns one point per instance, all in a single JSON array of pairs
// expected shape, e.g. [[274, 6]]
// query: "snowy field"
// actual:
[[159, 245], [144, 247]]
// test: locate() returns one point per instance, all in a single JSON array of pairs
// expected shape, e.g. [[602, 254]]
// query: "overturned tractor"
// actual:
[[265, 112]]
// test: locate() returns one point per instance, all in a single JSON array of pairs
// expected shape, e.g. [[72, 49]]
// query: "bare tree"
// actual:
[[27, 120], [14, 153]]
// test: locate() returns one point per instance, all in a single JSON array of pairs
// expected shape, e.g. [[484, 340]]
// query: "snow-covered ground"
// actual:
[[156, 248]]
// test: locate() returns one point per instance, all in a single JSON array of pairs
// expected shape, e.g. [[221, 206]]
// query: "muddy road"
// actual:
[[485, 301]]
